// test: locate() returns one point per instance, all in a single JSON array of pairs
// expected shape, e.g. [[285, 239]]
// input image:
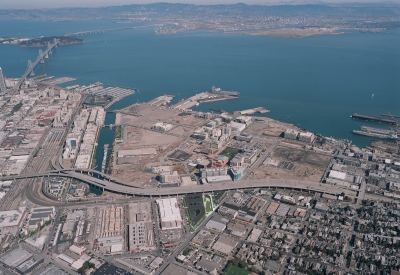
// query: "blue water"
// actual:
[[315, 83], [106, 136]]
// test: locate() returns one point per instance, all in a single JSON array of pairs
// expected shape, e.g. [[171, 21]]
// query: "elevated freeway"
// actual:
[[127, 189]]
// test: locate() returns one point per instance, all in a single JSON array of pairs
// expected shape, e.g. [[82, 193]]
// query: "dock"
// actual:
[[57, 81], [203, 97], [375, 119], [161, 100], [260, 110]]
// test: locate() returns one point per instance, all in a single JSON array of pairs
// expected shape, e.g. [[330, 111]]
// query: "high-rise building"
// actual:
[[3, 87]]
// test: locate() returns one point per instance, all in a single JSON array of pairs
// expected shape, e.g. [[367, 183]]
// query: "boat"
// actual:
[[104, 162], [377, 133]]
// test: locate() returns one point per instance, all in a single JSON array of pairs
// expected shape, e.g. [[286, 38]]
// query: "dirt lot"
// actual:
[[298, 171], [293, 164], [145, 115], [135, 138], [302, 156], [266, 127]]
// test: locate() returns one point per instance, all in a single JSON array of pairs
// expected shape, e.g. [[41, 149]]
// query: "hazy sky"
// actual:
[[29, 4]]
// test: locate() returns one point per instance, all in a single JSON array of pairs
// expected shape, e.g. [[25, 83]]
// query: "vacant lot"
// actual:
[[301, 156], [234, 270]]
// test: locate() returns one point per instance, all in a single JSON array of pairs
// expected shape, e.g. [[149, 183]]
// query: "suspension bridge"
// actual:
[[40, 59]]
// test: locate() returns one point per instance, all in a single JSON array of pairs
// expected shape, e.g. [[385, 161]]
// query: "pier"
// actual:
[[389, 115], [375, 119], [205, 97], [111, 126], [260, 110]]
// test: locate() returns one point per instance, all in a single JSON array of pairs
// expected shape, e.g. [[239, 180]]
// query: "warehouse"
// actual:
[[169, 213]]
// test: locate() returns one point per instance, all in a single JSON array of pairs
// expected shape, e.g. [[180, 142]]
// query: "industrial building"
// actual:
[[39, 216], [11, 220], [217, 223], [111, 229], [141, 234], [16, 257], [227, 212], [169, 213], [225, 245], [173, 269]]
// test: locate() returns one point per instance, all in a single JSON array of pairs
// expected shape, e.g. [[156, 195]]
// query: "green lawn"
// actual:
[[118, 132], [230, 152], [208, 203], [234, 270]]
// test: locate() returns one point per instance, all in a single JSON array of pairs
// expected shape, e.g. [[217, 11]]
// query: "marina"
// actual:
[[115, 92], [375, 119]]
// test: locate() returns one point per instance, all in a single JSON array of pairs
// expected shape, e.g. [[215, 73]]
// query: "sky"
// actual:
[[38, 4]]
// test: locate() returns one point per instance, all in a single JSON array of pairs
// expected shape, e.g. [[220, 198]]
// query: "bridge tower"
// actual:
[[3, 87], [55, 42], [41, 57], [49, 48], [30, 68]]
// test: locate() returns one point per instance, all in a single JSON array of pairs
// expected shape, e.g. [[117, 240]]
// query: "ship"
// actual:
[[377, 133], [219, 91]]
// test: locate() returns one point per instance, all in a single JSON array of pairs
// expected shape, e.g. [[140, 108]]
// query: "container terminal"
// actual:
[[375, 119]]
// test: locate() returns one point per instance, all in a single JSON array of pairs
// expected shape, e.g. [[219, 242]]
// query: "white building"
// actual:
[[291, 134], [169, 213], [307, 137], [11, 220], [210, 172], [243, 119], [161, 127]]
